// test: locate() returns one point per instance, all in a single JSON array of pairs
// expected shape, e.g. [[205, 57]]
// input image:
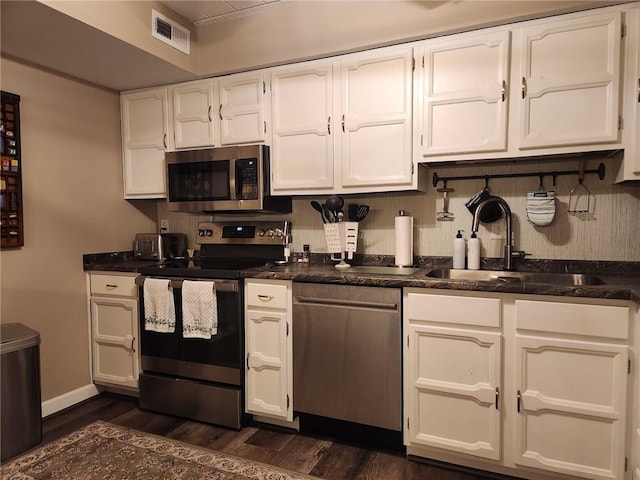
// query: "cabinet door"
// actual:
[[241, 111], [144, 137], [268, 344], [114, 323], [455, 404], [632, 114], [376, 121], [571, 404], [465, 94], [303, 129], [570, 81], [193, 105]]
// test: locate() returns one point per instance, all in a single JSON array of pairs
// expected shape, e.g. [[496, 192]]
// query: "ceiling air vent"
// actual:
[[170, 32]]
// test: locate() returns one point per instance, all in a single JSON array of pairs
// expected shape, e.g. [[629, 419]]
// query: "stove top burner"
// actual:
[[201, 268]]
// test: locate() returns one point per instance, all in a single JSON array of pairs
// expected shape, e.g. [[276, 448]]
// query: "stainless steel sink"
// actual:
[[516, 277], [380, 270]]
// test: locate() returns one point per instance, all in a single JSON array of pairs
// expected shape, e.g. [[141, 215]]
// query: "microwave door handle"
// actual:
[[233, 187]]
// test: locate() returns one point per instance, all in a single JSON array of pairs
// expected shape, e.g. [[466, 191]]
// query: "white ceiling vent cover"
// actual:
[[170, 32]]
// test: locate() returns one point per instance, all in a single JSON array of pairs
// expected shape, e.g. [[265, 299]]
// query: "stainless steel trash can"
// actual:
[[20, 404]]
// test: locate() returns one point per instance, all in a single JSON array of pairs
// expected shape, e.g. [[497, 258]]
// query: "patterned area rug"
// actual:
[[110, 452]]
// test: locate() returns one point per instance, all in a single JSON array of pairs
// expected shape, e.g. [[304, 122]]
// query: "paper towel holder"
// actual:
[[405, 262]]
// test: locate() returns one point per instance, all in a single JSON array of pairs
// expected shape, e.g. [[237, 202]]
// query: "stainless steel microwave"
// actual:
[[224, 179]]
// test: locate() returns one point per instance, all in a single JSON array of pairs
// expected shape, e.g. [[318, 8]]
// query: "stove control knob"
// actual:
[[201, 232], [208, 232], [260, 232], [278, 232], [270, 233]]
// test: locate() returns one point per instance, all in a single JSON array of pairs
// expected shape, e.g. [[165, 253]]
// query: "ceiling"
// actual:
[[205, 12], [36, 33]]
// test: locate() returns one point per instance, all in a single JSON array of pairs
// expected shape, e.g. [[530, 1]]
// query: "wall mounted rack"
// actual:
[[600, 171], [11, 223]]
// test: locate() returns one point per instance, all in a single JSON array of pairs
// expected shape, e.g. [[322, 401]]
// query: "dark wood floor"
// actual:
[[316, 455]]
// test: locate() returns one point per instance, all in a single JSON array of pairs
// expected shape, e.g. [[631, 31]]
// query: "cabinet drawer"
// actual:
[[267, 295], [454, 309], [122, 286], [573, 318]]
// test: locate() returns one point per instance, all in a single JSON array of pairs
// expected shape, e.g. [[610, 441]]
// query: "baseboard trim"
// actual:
[[68, 399]]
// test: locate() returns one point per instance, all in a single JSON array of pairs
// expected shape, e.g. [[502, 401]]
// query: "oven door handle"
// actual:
[[220, 285]]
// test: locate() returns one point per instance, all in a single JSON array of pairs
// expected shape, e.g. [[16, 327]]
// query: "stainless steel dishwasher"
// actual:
[[347, 361]]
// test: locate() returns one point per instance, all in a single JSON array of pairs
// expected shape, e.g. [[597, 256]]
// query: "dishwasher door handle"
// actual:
[[328, 302]]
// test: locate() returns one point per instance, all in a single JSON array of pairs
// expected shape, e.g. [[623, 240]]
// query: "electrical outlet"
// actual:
[[164, 225]]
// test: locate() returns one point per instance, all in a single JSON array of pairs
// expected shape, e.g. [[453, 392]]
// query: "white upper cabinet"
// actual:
[[548, 86], [302, 111], [225, 111], [344, 125], [145, 136], [467, 112], [630, 168], [376, 121], [569, 80], [242, 108], [193, 104]]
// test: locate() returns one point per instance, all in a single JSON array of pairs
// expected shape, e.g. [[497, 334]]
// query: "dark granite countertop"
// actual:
[[621, 279], [618, 287], [114, 262]]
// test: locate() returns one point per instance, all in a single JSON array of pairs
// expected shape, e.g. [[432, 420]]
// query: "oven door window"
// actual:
[[223, 349], [199, 181]]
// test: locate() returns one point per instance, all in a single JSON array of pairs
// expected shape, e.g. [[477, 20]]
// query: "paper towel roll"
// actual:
[[404, 240]]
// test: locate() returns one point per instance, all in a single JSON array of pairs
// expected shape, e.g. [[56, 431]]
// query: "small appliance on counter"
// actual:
[[159, 246]]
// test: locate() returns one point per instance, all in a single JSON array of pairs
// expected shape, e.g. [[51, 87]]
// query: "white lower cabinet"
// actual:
[[114, 330], [535, 387], [269, 349], [453, 404]]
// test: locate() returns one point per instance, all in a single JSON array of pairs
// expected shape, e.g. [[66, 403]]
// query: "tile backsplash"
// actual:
[[611, 234]]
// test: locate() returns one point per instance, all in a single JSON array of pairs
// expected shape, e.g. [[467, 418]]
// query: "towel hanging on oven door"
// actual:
[[159, 310], [199, 309]]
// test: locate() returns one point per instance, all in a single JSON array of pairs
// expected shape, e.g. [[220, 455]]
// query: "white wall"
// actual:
[[73, 204]]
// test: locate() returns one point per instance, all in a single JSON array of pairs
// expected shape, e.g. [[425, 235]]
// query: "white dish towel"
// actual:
[[199, 309], [159, 310]]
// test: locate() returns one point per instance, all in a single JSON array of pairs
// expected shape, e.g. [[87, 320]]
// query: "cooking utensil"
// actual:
[[490, 213], [445, 215], [357, 213], [581, 202], [316, 206], [328, 214], [335, 204], [362, 212]]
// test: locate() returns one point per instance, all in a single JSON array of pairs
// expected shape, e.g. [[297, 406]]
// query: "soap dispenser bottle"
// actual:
[[473, 260], [459, 251]]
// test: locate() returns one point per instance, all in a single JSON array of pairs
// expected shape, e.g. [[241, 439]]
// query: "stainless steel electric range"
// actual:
[[203, 379]]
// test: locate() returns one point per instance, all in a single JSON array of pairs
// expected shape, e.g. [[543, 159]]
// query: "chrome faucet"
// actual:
[[509, 253]]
